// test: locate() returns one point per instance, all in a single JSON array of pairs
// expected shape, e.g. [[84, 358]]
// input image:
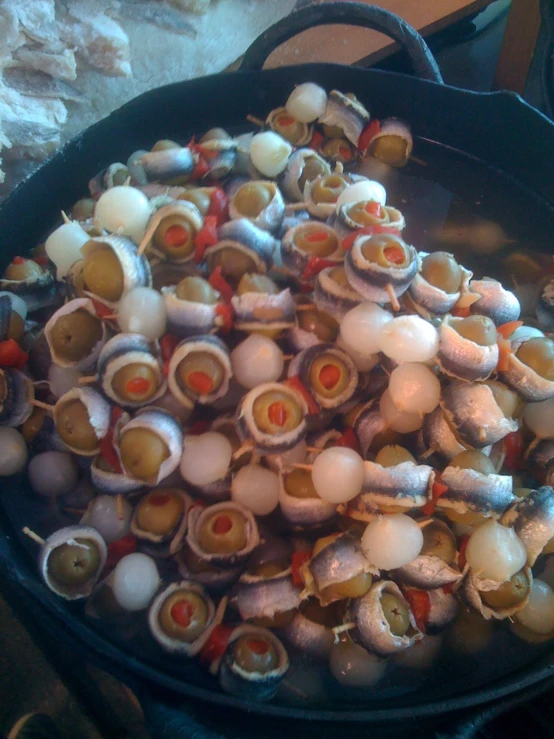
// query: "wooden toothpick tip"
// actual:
[[338, 630], [87, 380], [246, 447], [40, 404], [428, 453], [392, 297], [423, 524], [31, 534], [296, 206], [256, 121], [110, 317], [65, 217], [301, 466], [305, 306]]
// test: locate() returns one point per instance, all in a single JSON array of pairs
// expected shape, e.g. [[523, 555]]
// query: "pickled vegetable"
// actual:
[[255, 654], [184, 616], [74, 426], [200, 373], [73, 564], [103, 274], [75, 335], [276, 412], [442, 270], [538, 354], [223, 533], [142, 453]]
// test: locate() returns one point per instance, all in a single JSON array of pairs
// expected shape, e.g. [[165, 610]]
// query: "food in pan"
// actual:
[[296, 434]]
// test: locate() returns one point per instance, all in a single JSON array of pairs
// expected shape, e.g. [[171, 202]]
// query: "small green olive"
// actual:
[[196, 290], [329, 376], [391, 455], [276, 412], [22, 269], [254, 283], [83, 209], [507, 400], [314, 166], [142, 453], [103, 274], [74, 426], [135, 382], [473, 460], [441, 270], [72, 565], [538, 354], [323, 325], [234, 263], [159, 512], [479, 329], [511, 593], [252, 198], [396, 614], [184, 616], [317, 240], [200, 373], [386, 251], [74, 335], [328, 188], [255, 654], [198, 197], [223, 532], [298, 484]]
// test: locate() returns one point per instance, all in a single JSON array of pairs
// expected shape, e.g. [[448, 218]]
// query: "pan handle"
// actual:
[[353, 14]]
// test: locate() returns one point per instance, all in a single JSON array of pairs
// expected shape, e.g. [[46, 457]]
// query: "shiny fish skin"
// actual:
[[406, 480], [368, 424], [331, 298], [252, 236], [427, 572], [532, 518], [15, 407], [288, 180], [257, 310], [338, 562], [263, 597], [471, 593], [499, 304], [309, 637], [524, 380], [371, 280], [349, 114], [462, 358], [167, 164], [469, 490]]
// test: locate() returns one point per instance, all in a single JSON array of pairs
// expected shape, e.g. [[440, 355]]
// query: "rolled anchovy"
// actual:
[[398, 128], [113, 483], [469, 490], [348, 114], [309, 637], [540, 454], [368, 424], [428, 572], [264, 597], [404, 483], [37, 292], [98, 410], [304, 513], [306, 131], [15, 406], [499, 304], [301, 366], [208, 345], [136, 269], [196, 520], [271, 217], [242, 232], [473, 586], [462, 358], [532, 518], [432, 298], [168, 164], [475, 414], [524, 380], [186, 318], [444, 609], [372, 628], [436, 435], [290, 221], [371, 280], [332, 298], [252, 685], [182, 208], [258, 310], [170, 643], [289, 179], [222, 157], [296, 259], [213, 578], [345, 224], [300, 339], [166, 544]]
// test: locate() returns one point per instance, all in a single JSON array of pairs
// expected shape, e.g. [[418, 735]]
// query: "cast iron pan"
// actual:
[[479, 158]]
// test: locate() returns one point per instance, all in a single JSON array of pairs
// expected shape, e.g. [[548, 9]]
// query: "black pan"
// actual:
[[480, 159]]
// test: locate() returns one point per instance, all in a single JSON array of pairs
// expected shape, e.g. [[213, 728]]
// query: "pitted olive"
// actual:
[[386, 251], [200, 373], [338, 275], [391, 455], [22, 269], [316, 240], [328, 188], [196, 290], [74, 335], [396, 614], [313, 167], [276, 412], [135, 382], [329, 376], [479, 329], [355, 587], [184, 616], [390, 149], [323, 325], [252, 198], [368, 213], [234, 263], [175, 236], [298, 484], [255, 654], [473, 460], [287, 127], [74, 426], [507, 400], [103, 274], [142, 453], [198, 197], [442, 270], [83, 209], [254, 283], [159, 512], [538, 354], [73, 564], [337, 149], [511, 593], [439, 541], [33, 424], [223, 533]]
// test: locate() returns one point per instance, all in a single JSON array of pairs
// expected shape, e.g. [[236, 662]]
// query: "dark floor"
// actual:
[[27, 681]]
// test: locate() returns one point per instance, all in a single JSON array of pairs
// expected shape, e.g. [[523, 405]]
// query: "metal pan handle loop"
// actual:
[[353, 14]]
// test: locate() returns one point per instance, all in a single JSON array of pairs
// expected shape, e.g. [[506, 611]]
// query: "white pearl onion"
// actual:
[[124, 210], [495, 552], [351, 664], [414, 388], [13, 451], [360, 327], [409, 339], [63, 247], [363, 362], [392, 541], [538, 614], [18, 304], [540, 418], [62, 379], [134, 581], [338, 474], [206, 458], [53, 473], [269, 153], [256, 488], [256, 360], [404, 422], [307, 102], [363, 190], [142, 311], [108, 518]]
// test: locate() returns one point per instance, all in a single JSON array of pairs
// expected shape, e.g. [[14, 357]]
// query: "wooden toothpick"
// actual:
[[299, 466], [256, 121], [305, 306], [423, 524], [428, 453], [246, 447], [296, 206], [65, 217], [119, 507], [31, 534], [338, 630], [40, 404], [87, 380], [314, 449], [392, 297]]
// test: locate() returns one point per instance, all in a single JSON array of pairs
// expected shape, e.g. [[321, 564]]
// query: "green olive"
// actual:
[[74, 335], [391, 455], [323, 325], [386, 251], [439, 541], [164, 144], [200, 373], [83, 209], [323, 542], [142, 453], [252, 198], [328, 616], [16, 326], [103, 274], [223, 532], [175, 236], [184, 616], [268, 569], [74, 426], [338, 275], [332, 132], [538, 354], [33, 424], [23, 269], [368, 213], [135, 382], [473, 460], [194, 563], [276, 412], [254, 283], [314, 167], [120, 176], [389, 149], [298, 484], [442, 270], [337, 149], [507, 400], [396, 614], [511, 593], [385, 438], [315, 239], [355, 587], [328, 188], [329, 375], [287, 127], [198, 197], [196, 290], [73, 565], [159, 512], [255, 654], [234, 263], [479, 329]]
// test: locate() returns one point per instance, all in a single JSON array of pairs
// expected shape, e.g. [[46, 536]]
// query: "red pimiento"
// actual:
[[219, 205], [513, 449], [314, 266], [42, 260], [296, 383], [201, 168], [138, 385], [207, 236], [222, 525], [219, 283], [374, 209], [277, 414], [420, 603], [182, 613], [176, 235], [18, 260], [12, 355], [101, 309], [348, 439], [462, 551], [394, 254], [369, 133], [299, 559], [461, 312], [215, 647], [317, 139], [225, 312], [286, 120], [507, 329], [200, 382], [158, 499], [349, 240], [119, 549], [329, 376], [345, 153], [439, 488], [168, 344], [504, 351]]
